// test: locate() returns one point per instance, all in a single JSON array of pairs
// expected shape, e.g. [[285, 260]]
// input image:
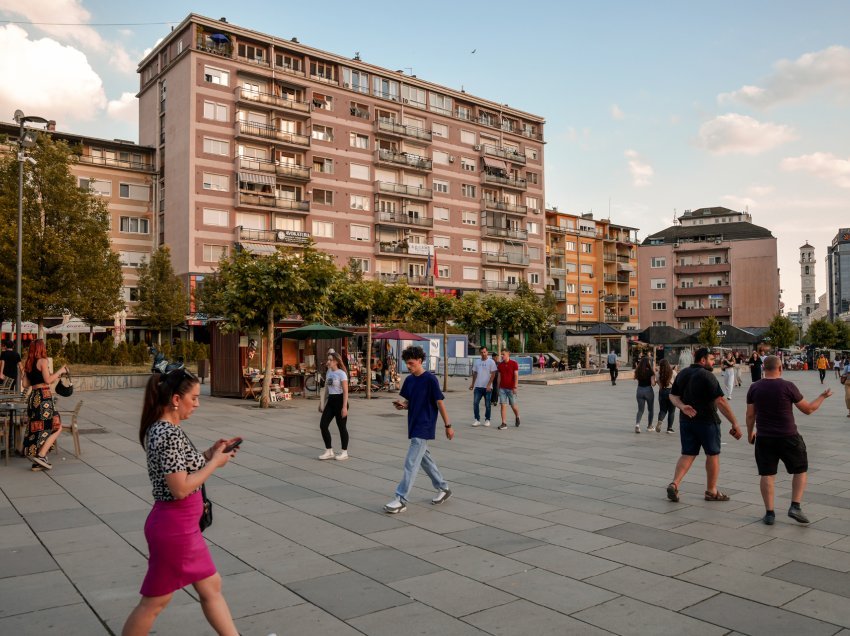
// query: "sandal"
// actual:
[[673, 492], [717, 496]]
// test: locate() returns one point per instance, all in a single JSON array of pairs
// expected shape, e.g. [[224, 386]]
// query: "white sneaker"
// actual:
[[476, 423], [343, 455], [328, 454], [637, 428], [395, 506], [486, 422], [441, 496]]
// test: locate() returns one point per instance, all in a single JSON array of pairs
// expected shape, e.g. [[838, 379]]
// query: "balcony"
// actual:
[[414, 162], [559, 294], [500, 285], [702, 268], [509, 182], [413, 281], [610, 278], [703, 312], [503, 232], [251, 199], [389, 127], [402, 247], [609, 256], [282, 170], [401, 218], [504, 153], [557, 229], [115, 163], [275, 101], [704, 290], [557, 251], [623, 298], [402, 190], [557, 270], [257, 61], [264, 131], [287, 68], [286, 237], [506, 258], [502, 206]]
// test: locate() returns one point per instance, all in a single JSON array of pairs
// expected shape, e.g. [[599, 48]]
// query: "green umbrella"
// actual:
[[316, 331]]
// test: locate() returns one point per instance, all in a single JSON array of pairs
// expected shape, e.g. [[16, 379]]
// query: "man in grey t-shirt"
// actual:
[[483, 372], [613, 367]]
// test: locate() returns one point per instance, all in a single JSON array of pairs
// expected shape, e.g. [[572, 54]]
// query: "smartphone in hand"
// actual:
[[232, 447], [398, 404]]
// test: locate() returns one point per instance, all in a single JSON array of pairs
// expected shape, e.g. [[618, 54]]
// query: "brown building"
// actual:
[[264, 142], [591, 267], [714, 262]]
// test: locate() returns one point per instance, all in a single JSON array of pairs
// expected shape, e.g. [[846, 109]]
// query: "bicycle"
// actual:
[[314, 382]]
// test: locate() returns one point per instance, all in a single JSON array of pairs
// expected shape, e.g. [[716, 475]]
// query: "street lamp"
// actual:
[[601, 313], [25, 140]]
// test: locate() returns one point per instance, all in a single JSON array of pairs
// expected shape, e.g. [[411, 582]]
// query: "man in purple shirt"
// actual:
[[771, 427]]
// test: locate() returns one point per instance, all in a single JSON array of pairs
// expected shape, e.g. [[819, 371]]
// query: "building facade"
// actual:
[[808, 293], [713, 262], [262, 142], [591, 268], [838, 275]]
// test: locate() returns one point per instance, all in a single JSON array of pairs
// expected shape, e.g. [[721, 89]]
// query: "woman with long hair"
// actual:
[[179, 556], [645, 376], [727, 366], [336, 407], [755, 363], [44, 424], [665, 406]]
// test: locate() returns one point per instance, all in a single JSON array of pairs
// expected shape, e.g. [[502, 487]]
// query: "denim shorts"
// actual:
[[696, 435], [507, 396]]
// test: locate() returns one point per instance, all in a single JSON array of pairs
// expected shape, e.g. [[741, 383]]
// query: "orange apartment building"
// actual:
[[262, 142], [714, 262], [591, 267]]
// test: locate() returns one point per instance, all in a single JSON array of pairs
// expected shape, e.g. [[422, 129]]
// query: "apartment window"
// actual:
[[216, 146], [440, 130], [442, 242], [633, 292], [444, 271], [132, 259], [322, 133], [322, 101], [570, 267], [323, 197], [215, 111], [359, 232], [716, 303], [216, 76], [467, 137], [440, 103], [587, 289], [468, 164], [633, 312], [252, 52], [131, 294], [441, 214], [571, 288], [587, 310], [359, 202], [441, 157], [467, 190], [659, 305], [470, 245], [441, 186], [134, 191], [658, 283], [571, 246], [532, 227], [470, 273], [532, 177], [355, 80], [287, 223], [218, 182], [251, 221], [534, 278], [356, 140], [659, 323], [468, 218], [413, 96], [323, 165], [532, 153], [216, 217], [586, 248], [534, 253], [98, 186], [384, 88], [323, 70], [532, 203], [134, 225], [717, 260], [658, 261], [214, 253], [571, 310], [323, 229], [358, 171], [587, 269]]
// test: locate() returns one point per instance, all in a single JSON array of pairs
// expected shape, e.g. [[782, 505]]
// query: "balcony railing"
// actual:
[[558, 229], [405, 190], [559, 294], [702, 290], [287, 68], [503, 232], [702, 312], [259, 61], [404, 159], [270, 132], [284, 170], [115, 163], [416, 281], [506, 258], [609, 256], [400, 218], [500, 285], [267, 201], [502, 206], [556, 270], [702, 268], [268, 99], [609, 278], [519, 184], [401, 247], [288, 237], [557, 251], [504, 153], [402, 130]]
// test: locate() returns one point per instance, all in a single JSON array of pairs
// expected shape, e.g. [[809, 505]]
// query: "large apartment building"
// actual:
[[713, 262], [264, 142], [838, 275], [591, 267]]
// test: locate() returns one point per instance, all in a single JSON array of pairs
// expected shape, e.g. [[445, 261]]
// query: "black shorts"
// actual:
[[791, 450]]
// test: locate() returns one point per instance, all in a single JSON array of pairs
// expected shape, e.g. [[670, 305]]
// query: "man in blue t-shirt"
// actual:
[[422, 400]]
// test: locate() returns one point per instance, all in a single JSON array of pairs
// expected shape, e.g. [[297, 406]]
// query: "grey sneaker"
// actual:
[[395, 506], [797, 515], [441, 496]]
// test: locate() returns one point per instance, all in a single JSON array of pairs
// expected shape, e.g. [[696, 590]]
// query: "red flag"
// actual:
[[435, 264]]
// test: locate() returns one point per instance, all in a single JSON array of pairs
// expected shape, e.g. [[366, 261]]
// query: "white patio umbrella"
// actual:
[[75, 326], [26, 327]]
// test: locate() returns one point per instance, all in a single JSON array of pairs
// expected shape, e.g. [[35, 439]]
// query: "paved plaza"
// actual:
[[560, 526]]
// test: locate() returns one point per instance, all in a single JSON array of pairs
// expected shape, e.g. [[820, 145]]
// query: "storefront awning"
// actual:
[[258, 248], [498, 164], [253, 177]]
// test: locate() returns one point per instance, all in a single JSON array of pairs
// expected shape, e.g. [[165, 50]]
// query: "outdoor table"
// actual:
[[10, 411]]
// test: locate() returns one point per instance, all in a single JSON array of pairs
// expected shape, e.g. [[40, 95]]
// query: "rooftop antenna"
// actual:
[[357, 55], [675, 218]]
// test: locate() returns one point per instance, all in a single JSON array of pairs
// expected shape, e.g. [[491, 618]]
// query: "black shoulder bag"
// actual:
[[207, 513]]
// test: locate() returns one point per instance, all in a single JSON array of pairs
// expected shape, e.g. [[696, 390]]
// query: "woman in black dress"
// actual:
[[755, 363]]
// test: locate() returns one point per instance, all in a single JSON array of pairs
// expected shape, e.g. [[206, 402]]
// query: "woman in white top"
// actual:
[[336, 385]]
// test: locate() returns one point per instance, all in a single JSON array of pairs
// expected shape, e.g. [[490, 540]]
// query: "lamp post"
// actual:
[[601, 313], [25, 140]]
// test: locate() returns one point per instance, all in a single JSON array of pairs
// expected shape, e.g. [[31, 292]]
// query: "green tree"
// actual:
[[781, 332], [821, 333], [842, 335], [472, 315], [163, 301], [708, 332], [438, 310], [501, 313], [98, 297]]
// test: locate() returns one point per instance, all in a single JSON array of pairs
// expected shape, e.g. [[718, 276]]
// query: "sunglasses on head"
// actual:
[[174, 378]]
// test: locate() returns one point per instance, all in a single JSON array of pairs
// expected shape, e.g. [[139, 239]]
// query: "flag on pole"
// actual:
[[435, 264], [428, 265]]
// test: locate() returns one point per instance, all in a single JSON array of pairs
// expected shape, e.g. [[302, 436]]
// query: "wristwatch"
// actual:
[[448, 425]]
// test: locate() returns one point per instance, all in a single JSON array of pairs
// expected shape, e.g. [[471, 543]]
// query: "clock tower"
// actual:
[[808, 295]]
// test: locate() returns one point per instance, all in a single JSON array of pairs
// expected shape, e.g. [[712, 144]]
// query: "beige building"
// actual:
[[713, 262], [264, 142], [591, 267]]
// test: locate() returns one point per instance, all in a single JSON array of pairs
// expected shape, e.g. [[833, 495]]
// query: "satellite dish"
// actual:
[[18, 115]]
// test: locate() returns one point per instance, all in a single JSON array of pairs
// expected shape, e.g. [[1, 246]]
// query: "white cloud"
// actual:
[[617, 113], [793, 79], [824, 165], [640, 170], [738, 203], [125, 109], [760, 190], [735, 133]]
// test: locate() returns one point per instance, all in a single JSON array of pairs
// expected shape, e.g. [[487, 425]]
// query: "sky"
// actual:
[[652, 108]]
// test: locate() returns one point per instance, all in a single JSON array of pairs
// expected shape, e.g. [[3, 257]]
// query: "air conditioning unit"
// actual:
[[718, 241], [476, 148], [346, 85], [675, 245], [451, 158]]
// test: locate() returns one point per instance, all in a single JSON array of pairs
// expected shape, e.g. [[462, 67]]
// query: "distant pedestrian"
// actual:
[[541, 362], [836, 367], [771, 427], [423, 399], [755, 366], [336, 407], [665, 406], [845, 380], [739, 362], [697, 394], [823, 365], [727, 372], [44, 424], [613, 367], [484, 372], [645, 376], [9, 361], [508, 383]]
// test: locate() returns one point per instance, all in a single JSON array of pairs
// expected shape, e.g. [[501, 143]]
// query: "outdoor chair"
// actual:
[[73, 428]]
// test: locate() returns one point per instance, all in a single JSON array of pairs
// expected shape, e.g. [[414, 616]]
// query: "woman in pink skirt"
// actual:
[[178, 553]]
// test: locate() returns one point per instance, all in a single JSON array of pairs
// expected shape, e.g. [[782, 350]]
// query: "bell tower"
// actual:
[[808, 295]]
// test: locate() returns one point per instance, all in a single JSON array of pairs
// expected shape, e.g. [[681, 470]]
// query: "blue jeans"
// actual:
[[418, 455], [478, 393]]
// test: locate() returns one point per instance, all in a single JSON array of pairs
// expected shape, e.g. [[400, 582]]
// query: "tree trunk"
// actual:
[[368, 360], [445, 355], [91, 334], [267, 373]]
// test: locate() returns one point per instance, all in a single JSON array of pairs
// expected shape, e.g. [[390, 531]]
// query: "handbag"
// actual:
[[65, 386], [207, 513]]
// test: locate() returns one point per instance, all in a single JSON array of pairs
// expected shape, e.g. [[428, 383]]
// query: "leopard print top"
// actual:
[[169, 451]]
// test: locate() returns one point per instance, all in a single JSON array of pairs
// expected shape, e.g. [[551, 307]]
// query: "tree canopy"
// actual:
[[707, 335], [163, 301], [821, 333], [781, 332]]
